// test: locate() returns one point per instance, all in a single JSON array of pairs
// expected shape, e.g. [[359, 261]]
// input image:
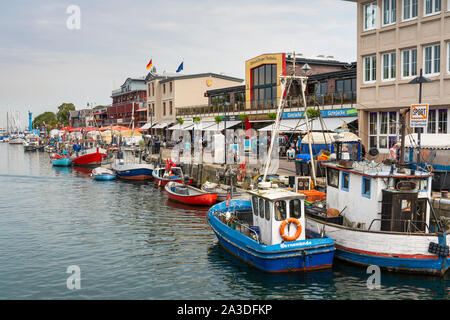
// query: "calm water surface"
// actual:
[[131, 242]]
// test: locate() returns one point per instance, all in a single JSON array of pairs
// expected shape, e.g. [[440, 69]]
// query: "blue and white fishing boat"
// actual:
[[131, 168], [61, 160], [103, 174], [269, 232]]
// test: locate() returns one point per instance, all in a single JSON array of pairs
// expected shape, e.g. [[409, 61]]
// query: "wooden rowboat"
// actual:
[[190, 195]]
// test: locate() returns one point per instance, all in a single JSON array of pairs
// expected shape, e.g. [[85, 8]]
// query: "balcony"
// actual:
[[332, 101]]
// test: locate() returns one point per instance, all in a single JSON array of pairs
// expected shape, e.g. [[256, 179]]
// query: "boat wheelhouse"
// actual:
[[162, 176], [379, 215], [268, 232], [128, 166]]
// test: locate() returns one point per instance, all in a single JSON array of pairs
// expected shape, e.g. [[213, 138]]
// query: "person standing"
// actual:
[[393, 152]]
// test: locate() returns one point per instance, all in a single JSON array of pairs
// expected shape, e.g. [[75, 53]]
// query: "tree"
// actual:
[[63, 113], [48, 117]]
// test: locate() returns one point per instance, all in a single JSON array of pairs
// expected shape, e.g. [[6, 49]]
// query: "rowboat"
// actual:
[[190, 195], [60, 160], [259, 232], [163, 176], [103, 174]]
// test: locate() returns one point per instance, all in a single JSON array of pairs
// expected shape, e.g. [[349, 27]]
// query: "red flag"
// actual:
[[248, 125], [167, 164], [228, 199]]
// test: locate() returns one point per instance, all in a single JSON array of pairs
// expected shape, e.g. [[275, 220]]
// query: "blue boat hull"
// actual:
[[300, 255], [135, 174], [105, 177], [65, 162]]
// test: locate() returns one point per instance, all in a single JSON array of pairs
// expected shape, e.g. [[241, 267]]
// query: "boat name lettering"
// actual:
[[297, 244]]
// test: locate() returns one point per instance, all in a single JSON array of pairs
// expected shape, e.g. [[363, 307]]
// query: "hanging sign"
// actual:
[[418, 115]]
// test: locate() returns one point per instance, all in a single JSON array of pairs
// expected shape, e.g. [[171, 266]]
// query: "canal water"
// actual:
[[130, 242]]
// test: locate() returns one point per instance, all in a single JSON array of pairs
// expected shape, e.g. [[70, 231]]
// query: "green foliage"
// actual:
[[63, 113], [243, 116], [48, 117], [312, 113], [272, 115], [180, 121], [196, 119], [218, 119]]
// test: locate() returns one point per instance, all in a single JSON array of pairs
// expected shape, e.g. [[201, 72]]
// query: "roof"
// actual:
[[200, 75], [276, 194], [428, 141], [350, 72], [226, 90]]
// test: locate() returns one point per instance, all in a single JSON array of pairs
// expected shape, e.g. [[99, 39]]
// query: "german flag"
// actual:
[[150, 64]]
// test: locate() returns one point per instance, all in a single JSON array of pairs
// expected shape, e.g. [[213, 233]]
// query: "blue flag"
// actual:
[[180, 67]]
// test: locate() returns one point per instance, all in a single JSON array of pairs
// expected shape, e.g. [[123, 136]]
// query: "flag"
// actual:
[[228, 198], [248, 125], [180, 67], [150, 64]]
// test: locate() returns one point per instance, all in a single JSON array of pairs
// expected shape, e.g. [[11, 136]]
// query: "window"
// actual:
[[370, 16], [383, 129], [389, 11], [164, 108], [321, 88], [171, 107], [432, 7], [432, 59], [389, 66], [170, 86], [164, 88], [423, 185], [431, 121], [333, 177], [255, 205], [280, 210], [264, 86], [365, 187], [448, 48], [261, 208], [346, 86], [409, 63], [153, 89], [442, 124], [267, 209], [409, 9], [370, 67], [295, 209], [345, 182]]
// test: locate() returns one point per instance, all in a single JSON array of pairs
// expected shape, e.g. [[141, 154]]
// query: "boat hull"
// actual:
[[104, 177], [135, 174], [205, 199], [300, 255], [64, 162], [92, 159], [390, 251]]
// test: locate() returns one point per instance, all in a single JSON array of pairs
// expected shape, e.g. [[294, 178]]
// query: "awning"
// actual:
[[221, 125], [160, 125], [147, 126], [186, 125], [428, 141], [329, 137], [141, 109], [295, 125]]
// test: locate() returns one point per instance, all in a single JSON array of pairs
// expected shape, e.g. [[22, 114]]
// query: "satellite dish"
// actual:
[[373, 152]]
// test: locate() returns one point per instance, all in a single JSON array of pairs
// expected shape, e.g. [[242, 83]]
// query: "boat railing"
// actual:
[[410, 224], [236, 225]]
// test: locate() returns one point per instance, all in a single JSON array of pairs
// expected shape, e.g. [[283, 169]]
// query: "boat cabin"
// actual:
[[270, 207], [378, 197]]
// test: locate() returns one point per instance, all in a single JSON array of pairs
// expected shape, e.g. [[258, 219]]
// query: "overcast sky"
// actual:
[[43, 63]]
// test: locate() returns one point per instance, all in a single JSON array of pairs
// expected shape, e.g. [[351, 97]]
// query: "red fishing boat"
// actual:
[[189, 195], [91, 155]]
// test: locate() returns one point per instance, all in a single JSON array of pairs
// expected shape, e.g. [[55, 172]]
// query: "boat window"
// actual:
[[261, 208], [365, 187], [333, 177], [345, 181], [295, 208], [267, 209], [255, 205], [280, 210], [423, 185]]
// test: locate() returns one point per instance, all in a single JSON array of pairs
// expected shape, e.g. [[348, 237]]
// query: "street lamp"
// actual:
[[419, 80]]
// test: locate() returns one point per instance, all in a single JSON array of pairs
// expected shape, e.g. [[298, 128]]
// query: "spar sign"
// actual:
[[418, 115]]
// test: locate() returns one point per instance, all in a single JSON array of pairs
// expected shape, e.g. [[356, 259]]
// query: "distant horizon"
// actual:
[[44, 63]]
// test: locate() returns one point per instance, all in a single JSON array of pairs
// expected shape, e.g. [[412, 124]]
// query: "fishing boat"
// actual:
[[61, 160], [190, 195], [31, 143], [269, 232], [381, 215], [88, 154], [162, 176], [16, 139], [128, 166], [103, 174]]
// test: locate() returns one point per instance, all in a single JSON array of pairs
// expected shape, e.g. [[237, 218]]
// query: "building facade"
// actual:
[[168, 95], [131, 95], [395, 40]]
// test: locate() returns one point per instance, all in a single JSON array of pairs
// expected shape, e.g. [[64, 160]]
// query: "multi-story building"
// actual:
[[395, 40], [131, 95], [169, 93]]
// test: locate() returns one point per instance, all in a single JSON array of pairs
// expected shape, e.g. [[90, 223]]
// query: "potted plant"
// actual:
[[312, 113], [243, 117], [218, 119]]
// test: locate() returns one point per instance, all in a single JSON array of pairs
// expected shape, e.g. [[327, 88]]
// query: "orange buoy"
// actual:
[[297, 234]]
